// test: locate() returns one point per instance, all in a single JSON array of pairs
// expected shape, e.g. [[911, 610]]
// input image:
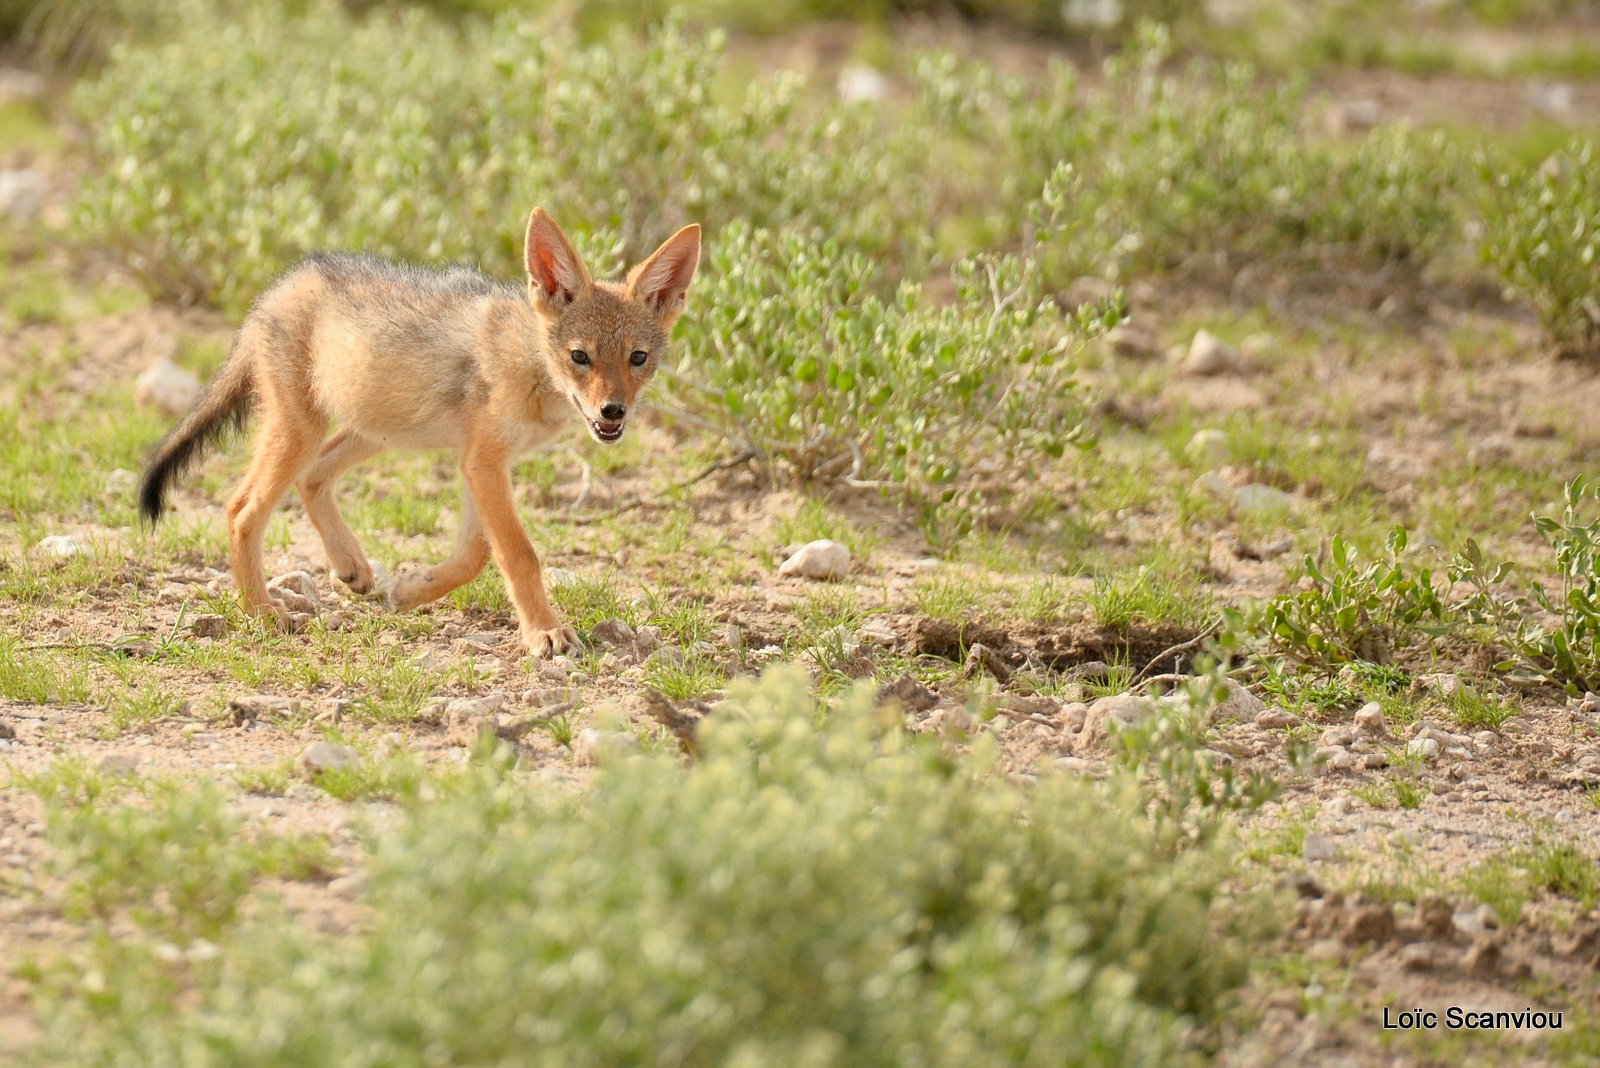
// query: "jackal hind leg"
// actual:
[[341, 452]]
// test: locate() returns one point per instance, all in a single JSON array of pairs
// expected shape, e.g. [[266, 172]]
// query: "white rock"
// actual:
[[1426, 748], [61, 546], [1208, 448], [1213, 485], [861, 84], [22, 193], [1370, 720], [1443, 683], [1334, 758], [1255, 497], [824, 560], [475, 706], [593, 746], [1277, 718], [1240, 704], [119, 765], [328, 756], [166, 386], [1209, 355], [613, 632], [1338, 736]]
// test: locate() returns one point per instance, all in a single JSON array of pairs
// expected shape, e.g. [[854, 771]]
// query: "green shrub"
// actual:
[[795, 356], [1542, 233], [1169, 166], [841, 893], [248, 140], [1553, 635], [1350, 609]]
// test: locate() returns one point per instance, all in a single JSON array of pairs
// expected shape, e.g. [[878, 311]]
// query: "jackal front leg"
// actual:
[[488, 477]]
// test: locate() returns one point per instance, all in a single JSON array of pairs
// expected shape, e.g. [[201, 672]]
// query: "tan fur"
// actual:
[[397, 357]]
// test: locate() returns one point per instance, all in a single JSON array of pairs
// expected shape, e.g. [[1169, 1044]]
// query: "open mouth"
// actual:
[[605, 431]]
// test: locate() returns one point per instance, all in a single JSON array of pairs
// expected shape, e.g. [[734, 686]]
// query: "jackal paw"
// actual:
[[283, 619], [412, 590], [543, 642], [361, 577]]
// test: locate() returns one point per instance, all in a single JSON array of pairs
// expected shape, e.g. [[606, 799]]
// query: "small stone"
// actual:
[[1209, 355], [860, 84], [877, 632], [208, 626], [1485, 740], [1334, 758], [1208, 448], [1031, 704], [119, 765], [981, 659], [297, 591], [1239, 706], [1370, 720], [1318, 847], [1255, 497], [1277, 719], [1073, 715], [1338, 736], [1375, 760], [1416, 957], [1132, 342], [1426, 748], [648, 638], [167, 387], [61, 546], [614, 632], [1444, 683], [22, 193], [474, 706], [910, 693], [1369, 923], [1112, 715], [552, 671], [593, 746], [823, 560], [328, 756], [259, 706], [733, 637]]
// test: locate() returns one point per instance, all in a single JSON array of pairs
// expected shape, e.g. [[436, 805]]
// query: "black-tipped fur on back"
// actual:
[[223, 405]]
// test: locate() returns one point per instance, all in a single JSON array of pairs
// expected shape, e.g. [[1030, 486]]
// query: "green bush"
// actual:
[[795, 356], [1172, 165], [841, 893], [1542, 233], [228, 152]]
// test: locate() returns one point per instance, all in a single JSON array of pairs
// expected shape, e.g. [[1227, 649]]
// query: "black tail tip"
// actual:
[[152, 495]]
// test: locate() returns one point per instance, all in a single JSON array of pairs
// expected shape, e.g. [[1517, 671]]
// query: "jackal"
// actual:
[[405, 356]]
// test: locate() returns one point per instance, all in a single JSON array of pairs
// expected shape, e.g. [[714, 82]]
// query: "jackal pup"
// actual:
[[403, 356]]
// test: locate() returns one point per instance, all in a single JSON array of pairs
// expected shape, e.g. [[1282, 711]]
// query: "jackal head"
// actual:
[[606, 338]]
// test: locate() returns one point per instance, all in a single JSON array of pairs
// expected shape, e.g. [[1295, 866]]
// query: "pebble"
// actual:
[[1277, 718], [119, 765], [61, 546], [1444, 683], [208, 626], [1209, 355], [1339, 736], [167, 387], [1132, 342], [823, 560], [1426, 748], [859, 83], [1208, 448], [1255, 497], [614, 632], [593, 746], [1416, 957], [1370, 720], [910, 693], [22, 192], [474, 706], [1334, 758], [328, 756]]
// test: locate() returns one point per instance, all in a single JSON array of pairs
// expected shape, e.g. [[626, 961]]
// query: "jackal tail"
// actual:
[[223, 406]]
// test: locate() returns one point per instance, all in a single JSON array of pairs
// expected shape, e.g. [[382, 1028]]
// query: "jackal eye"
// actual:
[[639, 357], [580, 357]]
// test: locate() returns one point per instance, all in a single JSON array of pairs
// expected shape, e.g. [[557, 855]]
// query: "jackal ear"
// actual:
[[663, 278], [555, 273]]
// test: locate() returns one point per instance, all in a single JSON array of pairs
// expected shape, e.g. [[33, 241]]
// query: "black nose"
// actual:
[[613, 413]]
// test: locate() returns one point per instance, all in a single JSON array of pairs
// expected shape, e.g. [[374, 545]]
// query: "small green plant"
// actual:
[[1195, 790], [1351, 610], [683, 675], [1542, 233], [1146, 596], [1474, 709], [1553, 635]]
